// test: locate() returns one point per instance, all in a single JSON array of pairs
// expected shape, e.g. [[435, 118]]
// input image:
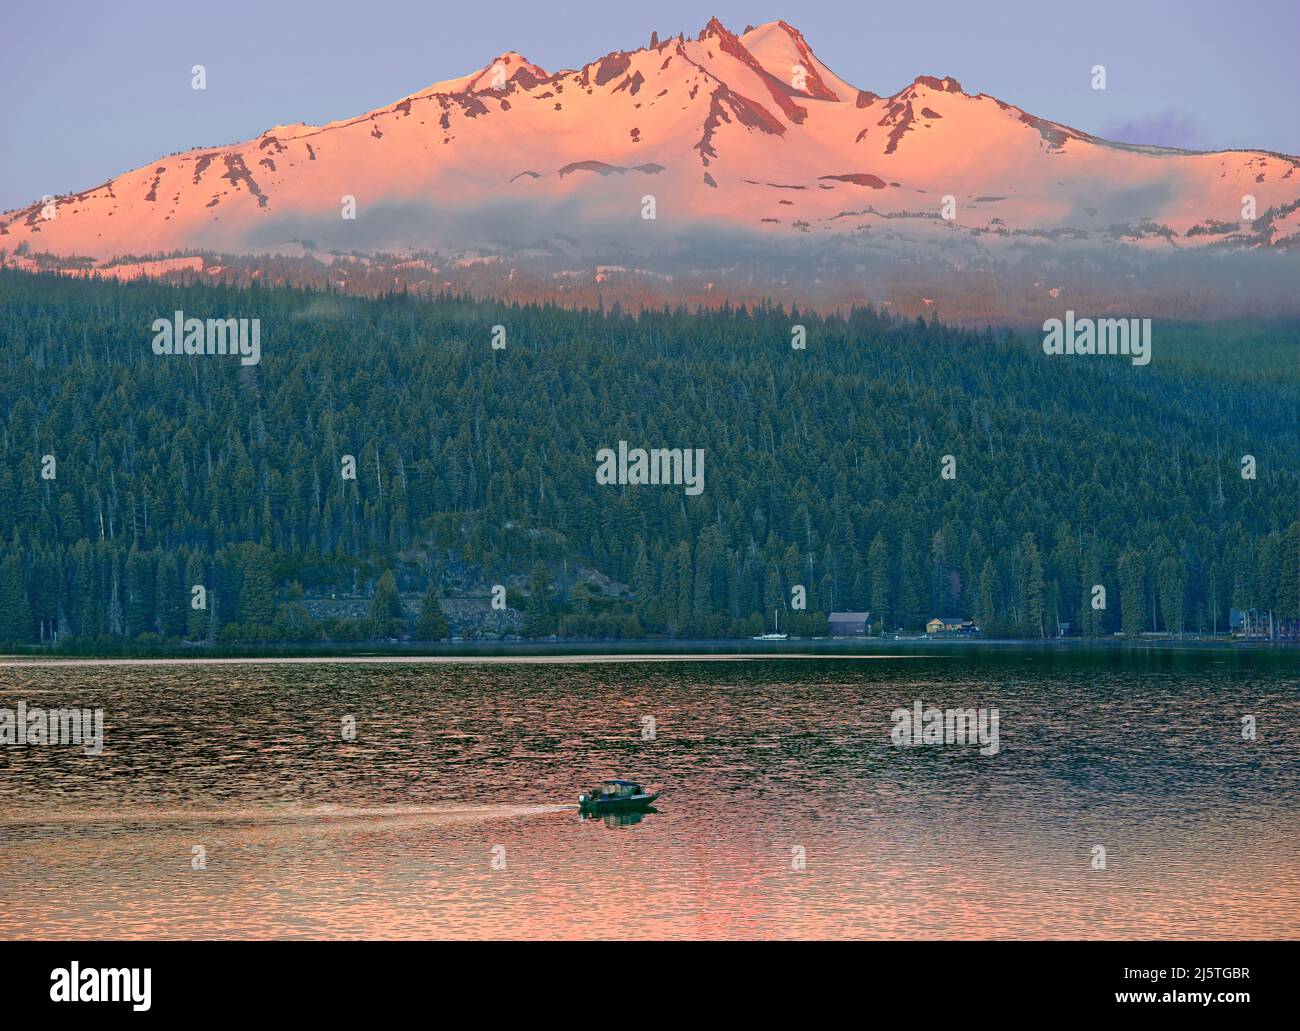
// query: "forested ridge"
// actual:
[[476, 466]]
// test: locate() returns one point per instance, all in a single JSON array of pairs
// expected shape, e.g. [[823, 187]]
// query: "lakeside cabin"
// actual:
[[849, 624], [951, 625]]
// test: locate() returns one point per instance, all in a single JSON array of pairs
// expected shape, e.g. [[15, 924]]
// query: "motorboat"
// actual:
[[615, 796]]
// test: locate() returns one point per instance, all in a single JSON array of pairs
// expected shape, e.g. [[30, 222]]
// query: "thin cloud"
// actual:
[[1168, 128]]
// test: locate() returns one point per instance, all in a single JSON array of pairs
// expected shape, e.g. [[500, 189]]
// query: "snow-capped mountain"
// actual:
[[748, 136]]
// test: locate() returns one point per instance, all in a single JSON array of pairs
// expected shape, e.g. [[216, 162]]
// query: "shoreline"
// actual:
[[414, 660], [595, 652]]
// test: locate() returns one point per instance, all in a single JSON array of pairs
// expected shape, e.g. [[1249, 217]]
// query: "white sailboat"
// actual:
[[778, 636]]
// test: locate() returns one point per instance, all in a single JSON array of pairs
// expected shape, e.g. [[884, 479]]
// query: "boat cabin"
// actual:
[[620, 789]]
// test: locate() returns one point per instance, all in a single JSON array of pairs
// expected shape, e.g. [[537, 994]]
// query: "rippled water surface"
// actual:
[[787, 811]]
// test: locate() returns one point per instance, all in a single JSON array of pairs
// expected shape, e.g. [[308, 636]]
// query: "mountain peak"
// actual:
[[716, 28], [505, 68], [782, 51], [513, 66], [945, 85]]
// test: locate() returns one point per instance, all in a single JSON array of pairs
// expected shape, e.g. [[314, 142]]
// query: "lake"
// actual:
[[236, 800]]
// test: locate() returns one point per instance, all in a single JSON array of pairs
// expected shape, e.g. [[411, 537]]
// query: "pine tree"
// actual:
[[139, 593], [685, 581], [1171, 589], [878, 560], [169, 602], [538, 620], [1132, 594], [15, 612], [986, 617], [386, 605], [1065, 574], [1288, 579], [432, 624], [701, 605], [1031, 589], [257, 596]]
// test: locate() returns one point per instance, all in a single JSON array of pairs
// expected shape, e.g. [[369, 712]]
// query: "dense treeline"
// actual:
[[476, 466]]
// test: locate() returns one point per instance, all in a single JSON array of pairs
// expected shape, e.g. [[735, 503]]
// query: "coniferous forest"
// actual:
[[130, 479]]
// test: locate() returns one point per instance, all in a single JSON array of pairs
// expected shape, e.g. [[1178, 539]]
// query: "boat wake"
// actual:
[[275, 814]]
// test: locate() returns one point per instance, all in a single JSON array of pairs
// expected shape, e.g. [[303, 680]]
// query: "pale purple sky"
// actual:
[[93, 89]]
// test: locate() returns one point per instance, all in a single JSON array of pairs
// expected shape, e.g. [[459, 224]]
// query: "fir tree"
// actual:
[[386, 603], [1132, 594], [432, 624], [15, 612], [538, 621], [257, 596]]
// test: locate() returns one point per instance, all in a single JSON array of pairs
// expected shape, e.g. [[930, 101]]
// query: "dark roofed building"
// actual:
[[849, 624]]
